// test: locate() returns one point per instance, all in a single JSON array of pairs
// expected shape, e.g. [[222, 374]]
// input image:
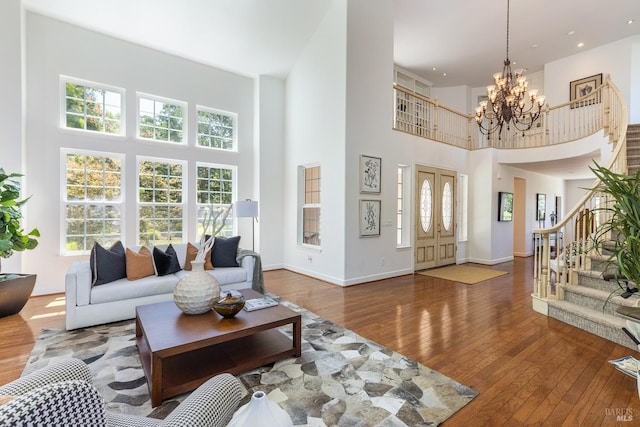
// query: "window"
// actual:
[[92, 107], [161, 119], [463, 207], [402, 216], [216, 129], [92, 200], [215, 187], [160, 201], [311, 206]]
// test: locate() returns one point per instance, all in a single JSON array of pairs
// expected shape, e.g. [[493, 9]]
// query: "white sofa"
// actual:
[[88, 305]]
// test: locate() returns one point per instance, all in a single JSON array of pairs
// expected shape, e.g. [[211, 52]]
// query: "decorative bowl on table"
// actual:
[[229, 304]]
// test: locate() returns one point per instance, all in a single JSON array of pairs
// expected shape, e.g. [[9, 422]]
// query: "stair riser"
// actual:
[[592, 303], [605, 331], [596, 283]]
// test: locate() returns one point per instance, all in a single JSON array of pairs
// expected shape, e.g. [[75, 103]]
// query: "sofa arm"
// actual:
[[211, 404], [67, 403], [71, 369], [78, 283]]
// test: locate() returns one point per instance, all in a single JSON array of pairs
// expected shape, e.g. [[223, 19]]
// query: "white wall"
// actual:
[[55, 48], [315, 134], [455, 97]]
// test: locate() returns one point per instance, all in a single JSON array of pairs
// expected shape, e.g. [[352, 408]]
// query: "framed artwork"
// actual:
[[370, 217], [541, 206], [583, 87], [370, 173], [505, 206]]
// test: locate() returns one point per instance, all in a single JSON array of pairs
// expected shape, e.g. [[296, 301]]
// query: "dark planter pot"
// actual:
[[15, 292]]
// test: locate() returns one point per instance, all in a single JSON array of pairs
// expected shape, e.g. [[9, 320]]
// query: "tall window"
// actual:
[[402, 215], [216, 129], [215, 187], [311, 206], [463, 207], [92, 107], [160, 201], [93, 200], [161, 119]]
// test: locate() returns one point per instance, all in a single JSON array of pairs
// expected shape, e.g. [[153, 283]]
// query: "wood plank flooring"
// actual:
[[529, 369]]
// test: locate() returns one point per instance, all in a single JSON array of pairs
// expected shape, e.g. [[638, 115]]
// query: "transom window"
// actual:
[[311, 206], [216, 129], [215, 187], [92, 107], [161, 119], [93, 200], [160, 201]]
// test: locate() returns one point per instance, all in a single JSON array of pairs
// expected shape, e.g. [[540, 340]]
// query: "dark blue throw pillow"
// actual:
[[166, 262], [108, 265], [225, 252]]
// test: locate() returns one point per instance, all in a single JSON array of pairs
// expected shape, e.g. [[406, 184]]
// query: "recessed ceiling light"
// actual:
[[580, 44], [444, 74], [630, 21], [570, 33], [433, 69], [535, 46]]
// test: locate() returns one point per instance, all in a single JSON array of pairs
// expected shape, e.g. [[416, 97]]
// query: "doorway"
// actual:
[[435, 237]]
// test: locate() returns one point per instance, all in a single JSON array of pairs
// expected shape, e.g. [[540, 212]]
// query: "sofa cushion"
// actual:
[[123, 289], [225, 251], [224, 276], [107, 265], [166, 262], [192, 251], [139, 264]]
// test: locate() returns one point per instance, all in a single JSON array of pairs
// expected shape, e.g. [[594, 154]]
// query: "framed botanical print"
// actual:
[[370, 173], [370, 217], [505, 206], [541, 206]]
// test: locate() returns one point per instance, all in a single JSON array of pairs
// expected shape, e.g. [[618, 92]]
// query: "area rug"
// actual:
[[341, 379], [463, 273]]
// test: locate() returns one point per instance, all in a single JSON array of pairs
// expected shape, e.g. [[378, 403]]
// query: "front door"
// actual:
[[435, 242]]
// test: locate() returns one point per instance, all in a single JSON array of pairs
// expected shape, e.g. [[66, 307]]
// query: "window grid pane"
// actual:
[[160, 203], [93, 210], [214, 187], [93, 109], [216, 129], [161, 121]]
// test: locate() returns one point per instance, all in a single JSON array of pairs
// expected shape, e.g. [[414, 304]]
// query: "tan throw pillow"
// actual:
[[139, 264], [192, 251]]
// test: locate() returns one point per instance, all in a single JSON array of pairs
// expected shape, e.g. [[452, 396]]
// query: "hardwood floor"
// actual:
[[529, 369]]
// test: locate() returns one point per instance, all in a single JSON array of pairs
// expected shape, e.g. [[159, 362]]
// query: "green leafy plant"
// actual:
[[12, 236], [619, 234]]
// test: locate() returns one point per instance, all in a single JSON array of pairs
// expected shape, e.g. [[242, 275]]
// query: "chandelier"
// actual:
[[507, 100]]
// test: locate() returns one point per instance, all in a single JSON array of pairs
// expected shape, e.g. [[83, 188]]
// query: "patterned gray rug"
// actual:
[[341, 379]]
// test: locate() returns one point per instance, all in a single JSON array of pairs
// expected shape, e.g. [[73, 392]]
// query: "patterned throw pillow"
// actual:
[[166, 262], [107, 265]]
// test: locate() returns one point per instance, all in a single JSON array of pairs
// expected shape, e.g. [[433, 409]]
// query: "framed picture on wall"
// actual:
[[370, 173], [505, 206], [541, 206], [370, 217], [583, 87]]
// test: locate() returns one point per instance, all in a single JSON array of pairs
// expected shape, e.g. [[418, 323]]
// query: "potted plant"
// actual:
[[15, 289], [619, 233]]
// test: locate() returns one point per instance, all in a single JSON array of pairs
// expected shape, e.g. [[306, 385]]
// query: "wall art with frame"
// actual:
[[583, 87], [505, 206], [370, 174], [370, 211], [541, 206]]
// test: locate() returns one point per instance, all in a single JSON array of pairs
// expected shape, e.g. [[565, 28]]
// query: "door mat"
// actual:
[[463, 273]]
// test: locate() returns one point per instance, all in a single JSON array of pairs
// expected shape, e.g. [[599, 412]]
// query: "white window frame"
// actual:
[[155, 99], [183, 205], [302, 205], [63, 105], [403, 206], [463, 207], [200, 206], [119, 202], [234, 117]]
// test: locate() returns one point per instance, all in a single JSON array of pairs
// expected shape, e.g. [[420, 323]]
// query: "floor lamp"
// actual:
[[248, 209]]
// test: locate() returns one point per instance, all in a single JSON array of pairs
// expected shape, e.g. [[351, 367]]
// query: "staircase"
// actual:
[[633, 148], [585, 305]]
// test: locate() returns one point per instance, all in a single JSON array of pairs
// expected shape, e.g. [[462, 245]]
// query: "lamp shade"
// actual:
[[246, 208]]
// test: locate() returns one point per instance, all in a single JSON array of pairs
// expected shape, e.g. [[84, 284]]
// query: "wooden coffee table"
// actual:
[[179, 352]]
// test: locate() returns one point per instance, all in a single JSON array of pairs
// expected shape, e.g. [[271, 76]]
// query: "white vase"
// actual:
[[260, 411], [194, 292]]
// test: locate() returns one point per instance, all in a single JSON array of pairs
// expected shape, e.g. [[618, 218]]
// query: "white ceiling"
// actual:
[[254, 37]]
